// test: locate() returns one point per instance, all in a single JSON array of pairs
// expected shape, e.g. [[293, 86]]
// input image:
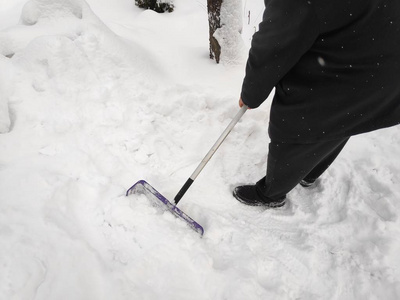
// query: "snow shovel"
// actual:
[[142, 187]]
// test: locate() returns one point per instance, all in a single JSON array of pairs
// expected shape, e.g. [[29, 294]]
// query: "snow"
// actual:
[[95, 96], [229, 35]]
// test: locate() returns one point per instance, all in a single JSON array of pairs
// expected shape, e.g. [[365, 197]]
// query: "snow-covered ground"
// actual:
[[96, 95]]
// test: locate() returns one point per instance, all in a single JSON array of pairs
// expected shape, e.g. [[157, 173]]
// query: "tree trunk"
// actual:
[[214, 22]]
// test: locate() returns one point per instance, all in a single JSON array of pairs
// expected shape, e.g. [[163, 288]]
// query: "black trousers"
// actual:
[[288, 164]]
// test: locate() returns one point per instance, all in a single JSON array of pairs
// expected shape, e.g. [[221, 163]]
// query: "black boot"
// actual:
[[250, 195], [307, 183]]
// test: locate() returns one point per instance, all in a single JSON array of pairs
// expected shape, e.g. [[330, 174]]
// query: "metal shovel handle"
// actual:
[[210, 153]]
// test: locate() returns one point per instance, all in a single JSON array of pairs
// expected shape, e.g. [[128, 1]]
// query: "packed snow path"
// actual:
[[95, 96]]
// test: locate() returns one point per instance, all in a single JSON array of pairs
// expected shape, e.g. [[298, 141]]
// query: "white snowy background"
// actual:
[[95, 96]]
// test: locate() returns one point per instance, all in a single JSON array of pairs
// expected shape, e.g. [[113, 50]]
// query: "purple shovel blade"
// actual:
[[142, 187]]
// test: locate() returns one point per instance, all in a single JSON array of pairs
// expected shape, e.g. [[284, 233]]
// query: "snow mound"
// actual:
[[62, 48], [44, 17], [36, 10]]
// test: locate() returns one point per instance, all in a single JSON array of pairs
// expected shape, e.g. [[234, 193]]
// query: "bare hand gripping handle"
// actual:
[[210, 154]]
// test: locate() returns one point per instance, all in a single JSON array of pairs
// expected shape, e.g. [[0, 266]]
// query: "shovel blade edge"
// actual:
[[143, 187]]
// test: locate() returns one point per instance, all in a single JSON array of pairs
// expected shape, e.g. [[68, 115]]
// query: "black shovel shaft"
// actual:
[[210, 153]]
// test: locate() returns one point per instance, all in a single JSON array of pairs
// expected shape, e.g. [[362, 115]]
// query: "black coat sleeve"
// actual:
[[289, 28]]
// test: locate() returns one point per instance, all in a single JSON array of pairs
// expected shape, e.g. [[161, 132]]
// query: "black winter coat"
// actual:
[[335, 65]]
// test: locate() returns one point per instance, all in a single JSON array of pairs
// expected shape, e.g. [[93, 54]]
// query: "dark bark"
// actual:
[[214, 22], [156, 6]]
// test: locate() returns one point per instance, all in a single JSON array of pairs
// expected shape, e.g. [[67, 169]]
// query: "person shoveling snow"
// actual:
[[335, 68]]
